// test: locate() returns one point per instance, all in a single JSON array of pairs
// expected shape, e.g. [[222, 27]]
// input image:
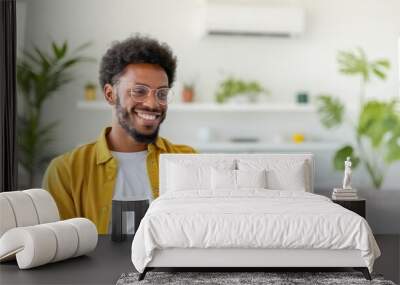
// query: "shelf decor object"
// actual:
[[240, 91], [302, 98], [188, 93], [90, 91], [298, 138]]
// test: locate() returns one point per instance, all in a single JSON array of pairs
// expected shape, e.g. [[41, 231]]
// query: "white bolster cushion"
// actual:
[[24, 211], [7, 220], [26, 208], [45, 205], [67, 240], [40, 244], [32, 246], [87, 233]]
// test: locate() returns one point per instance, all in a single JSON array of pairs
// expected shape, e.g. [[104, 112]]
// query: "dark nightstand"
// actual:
[[357, 206]]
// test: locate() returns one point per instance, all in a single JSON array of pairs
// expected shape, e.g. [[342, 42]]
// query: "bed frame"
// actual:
[[245, 259], [234, 259]]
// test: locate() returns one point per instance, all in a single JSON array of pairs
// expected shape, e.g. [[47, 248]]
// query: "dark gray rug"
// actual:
[[269, 278]]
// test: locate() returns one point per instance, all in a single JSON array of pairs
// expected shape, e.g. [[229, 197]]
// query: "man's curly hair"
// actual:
[[136, 49]]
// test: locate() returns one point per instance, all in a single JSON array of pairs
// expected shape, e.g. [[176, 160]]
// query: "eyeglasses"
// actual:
[[139, 93]]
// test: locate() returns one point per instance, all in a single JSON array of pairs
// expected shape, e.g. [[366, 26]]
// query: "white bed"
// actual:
[[247, 210]]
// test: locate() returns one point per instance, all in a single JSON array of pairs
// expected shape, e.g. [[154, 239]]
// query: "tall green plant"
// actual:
[[39, 75], [377, 129]]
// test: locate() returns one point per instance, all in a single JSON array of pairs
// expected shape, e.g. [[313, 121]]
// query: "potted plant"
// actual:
[[377, 128], [188, 92], [39, 75], [90, 91], [239, 90]]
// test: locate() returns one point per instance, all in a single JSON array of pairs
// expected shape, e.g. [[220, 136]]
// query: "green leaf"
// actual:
[[353, 63], [383, 63], [47, 128], [356, 63], [377, 118], [330, 110], [341, 156], [393, 149], [379, 73], [392, 153], [56, 50], [64, 49], [32, 57], [59, 51], [45, 61], [82, 47]]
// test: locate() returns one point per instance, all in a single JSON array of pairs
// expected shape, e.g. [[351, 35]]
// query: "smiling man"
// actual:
[[122, 164]]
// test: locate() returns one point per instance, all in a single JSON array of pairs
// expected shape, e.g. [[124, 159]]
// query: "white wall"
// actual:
[[284, 66]]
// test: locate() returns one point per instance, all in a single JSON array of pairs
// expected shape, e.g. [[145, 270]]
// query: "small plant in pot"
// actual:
[[237, 90], [188, 93], [90, 91]]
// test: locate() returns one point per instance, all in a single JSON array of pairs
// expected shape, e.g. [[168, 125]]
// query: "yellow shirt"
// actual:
[[82, 180]]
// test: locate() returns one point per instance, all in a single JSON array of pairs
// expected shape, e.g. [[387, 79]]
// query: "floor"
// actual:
[[389, 262], [110, 260]]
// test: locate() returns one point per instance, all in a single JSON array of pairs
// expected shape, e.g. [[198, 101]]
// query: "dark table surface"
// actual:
[[110, 259]]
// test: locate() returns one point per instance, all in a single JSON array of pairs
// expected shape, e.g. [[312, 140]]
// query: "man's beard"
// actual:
[[123, 116]]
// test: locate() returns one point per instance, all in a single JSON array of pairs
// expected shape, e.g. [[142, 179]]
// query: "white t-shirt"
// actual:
[[132, 182]]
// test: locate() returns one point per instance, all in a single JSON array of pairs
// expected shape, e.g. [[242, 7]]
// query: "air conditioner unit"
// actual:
[[244, 20]]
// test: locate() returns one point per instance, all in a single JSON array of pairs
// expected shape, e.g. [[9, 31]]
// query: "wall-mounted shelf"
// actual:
[[236, 107], [264, 146], [93, 105], [215, 107]]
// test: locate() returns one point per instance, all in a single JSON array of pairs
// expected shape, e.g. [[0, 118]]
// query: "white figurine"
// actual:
[[347, 174]]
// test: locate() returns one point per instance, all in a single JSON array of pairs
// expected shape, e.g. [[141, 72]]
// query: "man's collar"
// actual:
[[160, 144], [103, 153]]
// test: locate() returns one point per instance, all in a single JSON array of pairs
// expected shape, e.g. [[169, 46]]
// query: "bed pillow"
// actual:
[[226, 179], [185, 174], [223, 179], [186, 177], [282, 174], [251, 178]]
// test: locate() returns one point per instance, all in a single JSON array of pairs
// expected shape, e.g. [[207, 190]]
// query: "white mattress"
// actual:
[[252, 218]]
